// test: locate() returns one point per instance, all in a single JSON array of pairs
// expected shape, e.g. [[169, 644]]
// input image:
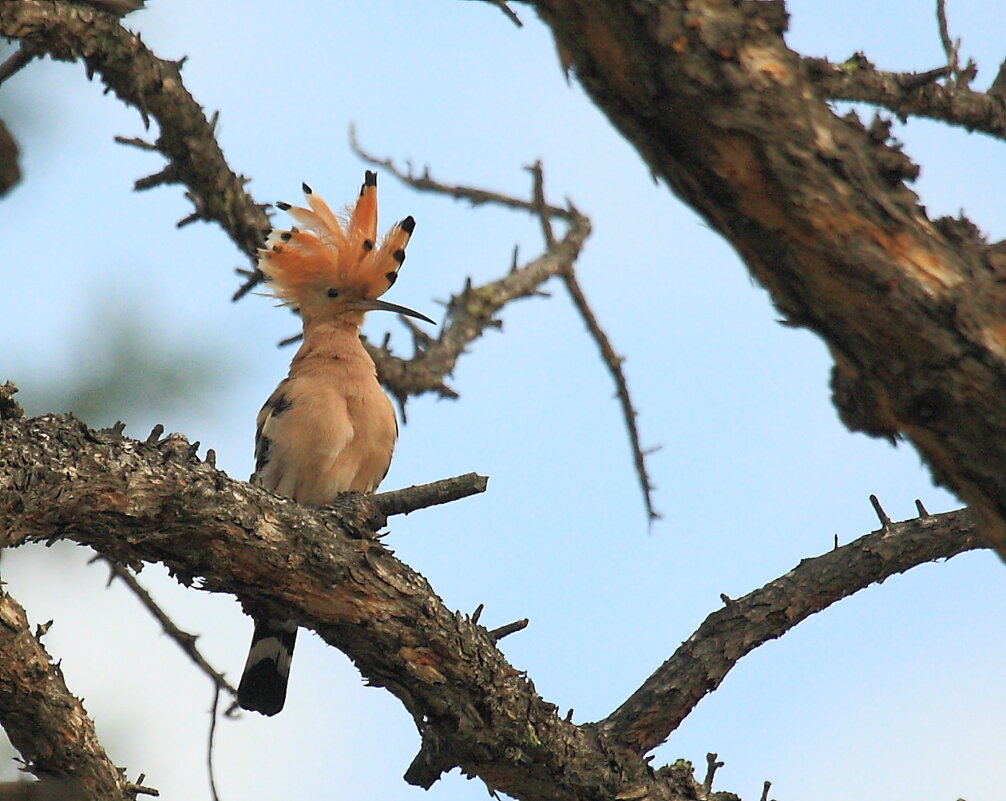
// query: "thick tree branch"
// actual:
[[909, 94], [913, 313], [153, 501], [69, 32], [696, 669], [46, 723]]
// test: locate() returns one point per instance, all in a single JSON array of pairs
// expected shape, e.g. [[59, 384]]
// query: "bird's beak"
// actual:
[[383, 305]]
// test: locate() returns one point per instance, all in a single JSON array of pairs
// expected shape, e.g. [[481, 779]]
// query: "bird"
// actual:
[[328, 427]]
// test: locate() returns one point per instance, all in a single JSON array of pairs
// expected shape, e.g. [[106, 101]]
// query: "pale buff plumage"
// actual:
[[328, 427]]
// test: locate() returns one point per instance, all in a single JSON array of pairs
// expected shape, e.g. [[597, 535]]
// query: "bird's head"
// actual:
[[332, 267]]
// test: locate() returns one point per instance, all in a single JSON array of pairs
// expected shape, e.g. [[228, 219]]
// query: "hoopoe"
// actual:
[[328, 427]]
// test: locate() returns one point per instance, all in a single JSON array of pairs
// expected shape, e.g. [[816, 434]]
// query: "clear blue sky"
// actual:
[[893, 693]]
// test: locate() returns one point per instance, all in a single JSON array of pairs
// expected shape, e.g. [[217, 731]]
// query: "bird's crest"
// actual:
[[325, 251]]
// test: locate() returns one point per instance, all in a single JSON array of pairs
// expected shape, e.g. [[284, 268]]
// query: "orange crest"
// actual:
[[326, 251]]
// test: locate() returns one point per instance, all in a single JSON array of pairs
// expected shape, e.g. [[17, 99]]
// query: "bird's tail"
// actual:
[[263, 683]]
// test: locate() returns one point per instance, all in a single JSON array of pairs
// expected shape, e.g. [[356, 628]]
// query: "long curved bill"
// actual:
[[383, 305]]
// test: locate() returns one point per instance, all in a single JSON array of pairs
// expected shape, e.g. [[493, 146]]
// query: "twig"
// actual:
[[473, 310], [766, 786], [545, 213], [711, 767], [910, 94], [404, 501], [538, 203], [209, 744], [154, 86], [475, 196], [185, 640], [614, 365], [950, 46], [698, 666], [962, 77], [509, 12]]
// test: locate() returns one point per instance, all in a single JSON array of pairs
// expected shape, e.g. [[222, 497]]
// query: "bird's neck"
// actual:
[[331, 340]]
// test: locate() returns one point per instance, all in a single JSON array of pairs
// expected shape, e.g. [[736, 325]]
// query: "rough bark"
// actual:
[[154, 501], [912, 309], [696, 669], [45, 722]]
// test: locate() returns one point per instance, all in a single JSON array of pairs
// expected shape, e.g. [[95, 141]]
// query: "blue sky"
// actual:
[[891, 692]]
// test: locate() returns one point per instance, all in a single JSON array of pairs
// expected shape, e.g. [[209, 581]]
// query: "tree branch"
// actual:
[[68, 32], [154, 501], [185, 640], [652, 712], [474, 309], [912, 310], [909, 94], [403, 501], [46, 723], [545, 212]]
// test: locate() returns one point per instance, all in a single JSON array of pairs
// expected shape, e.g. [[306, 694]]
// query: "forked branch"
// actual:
[[470, 307]]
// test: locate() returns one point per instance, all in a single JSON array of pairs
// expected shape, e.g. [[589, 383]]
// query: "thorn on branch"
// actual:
[[255, 277], [921, 509], [915, 80], [188, 219], [42, 629], [764, 790], [168, 175], [510, 628], [135, 141], [211, 458], [155, 434], [477, 613], [885, 521]]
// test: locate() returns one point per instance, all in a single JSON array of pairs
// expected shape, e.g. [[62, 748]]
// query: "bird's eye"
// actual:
[[333, 293]]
